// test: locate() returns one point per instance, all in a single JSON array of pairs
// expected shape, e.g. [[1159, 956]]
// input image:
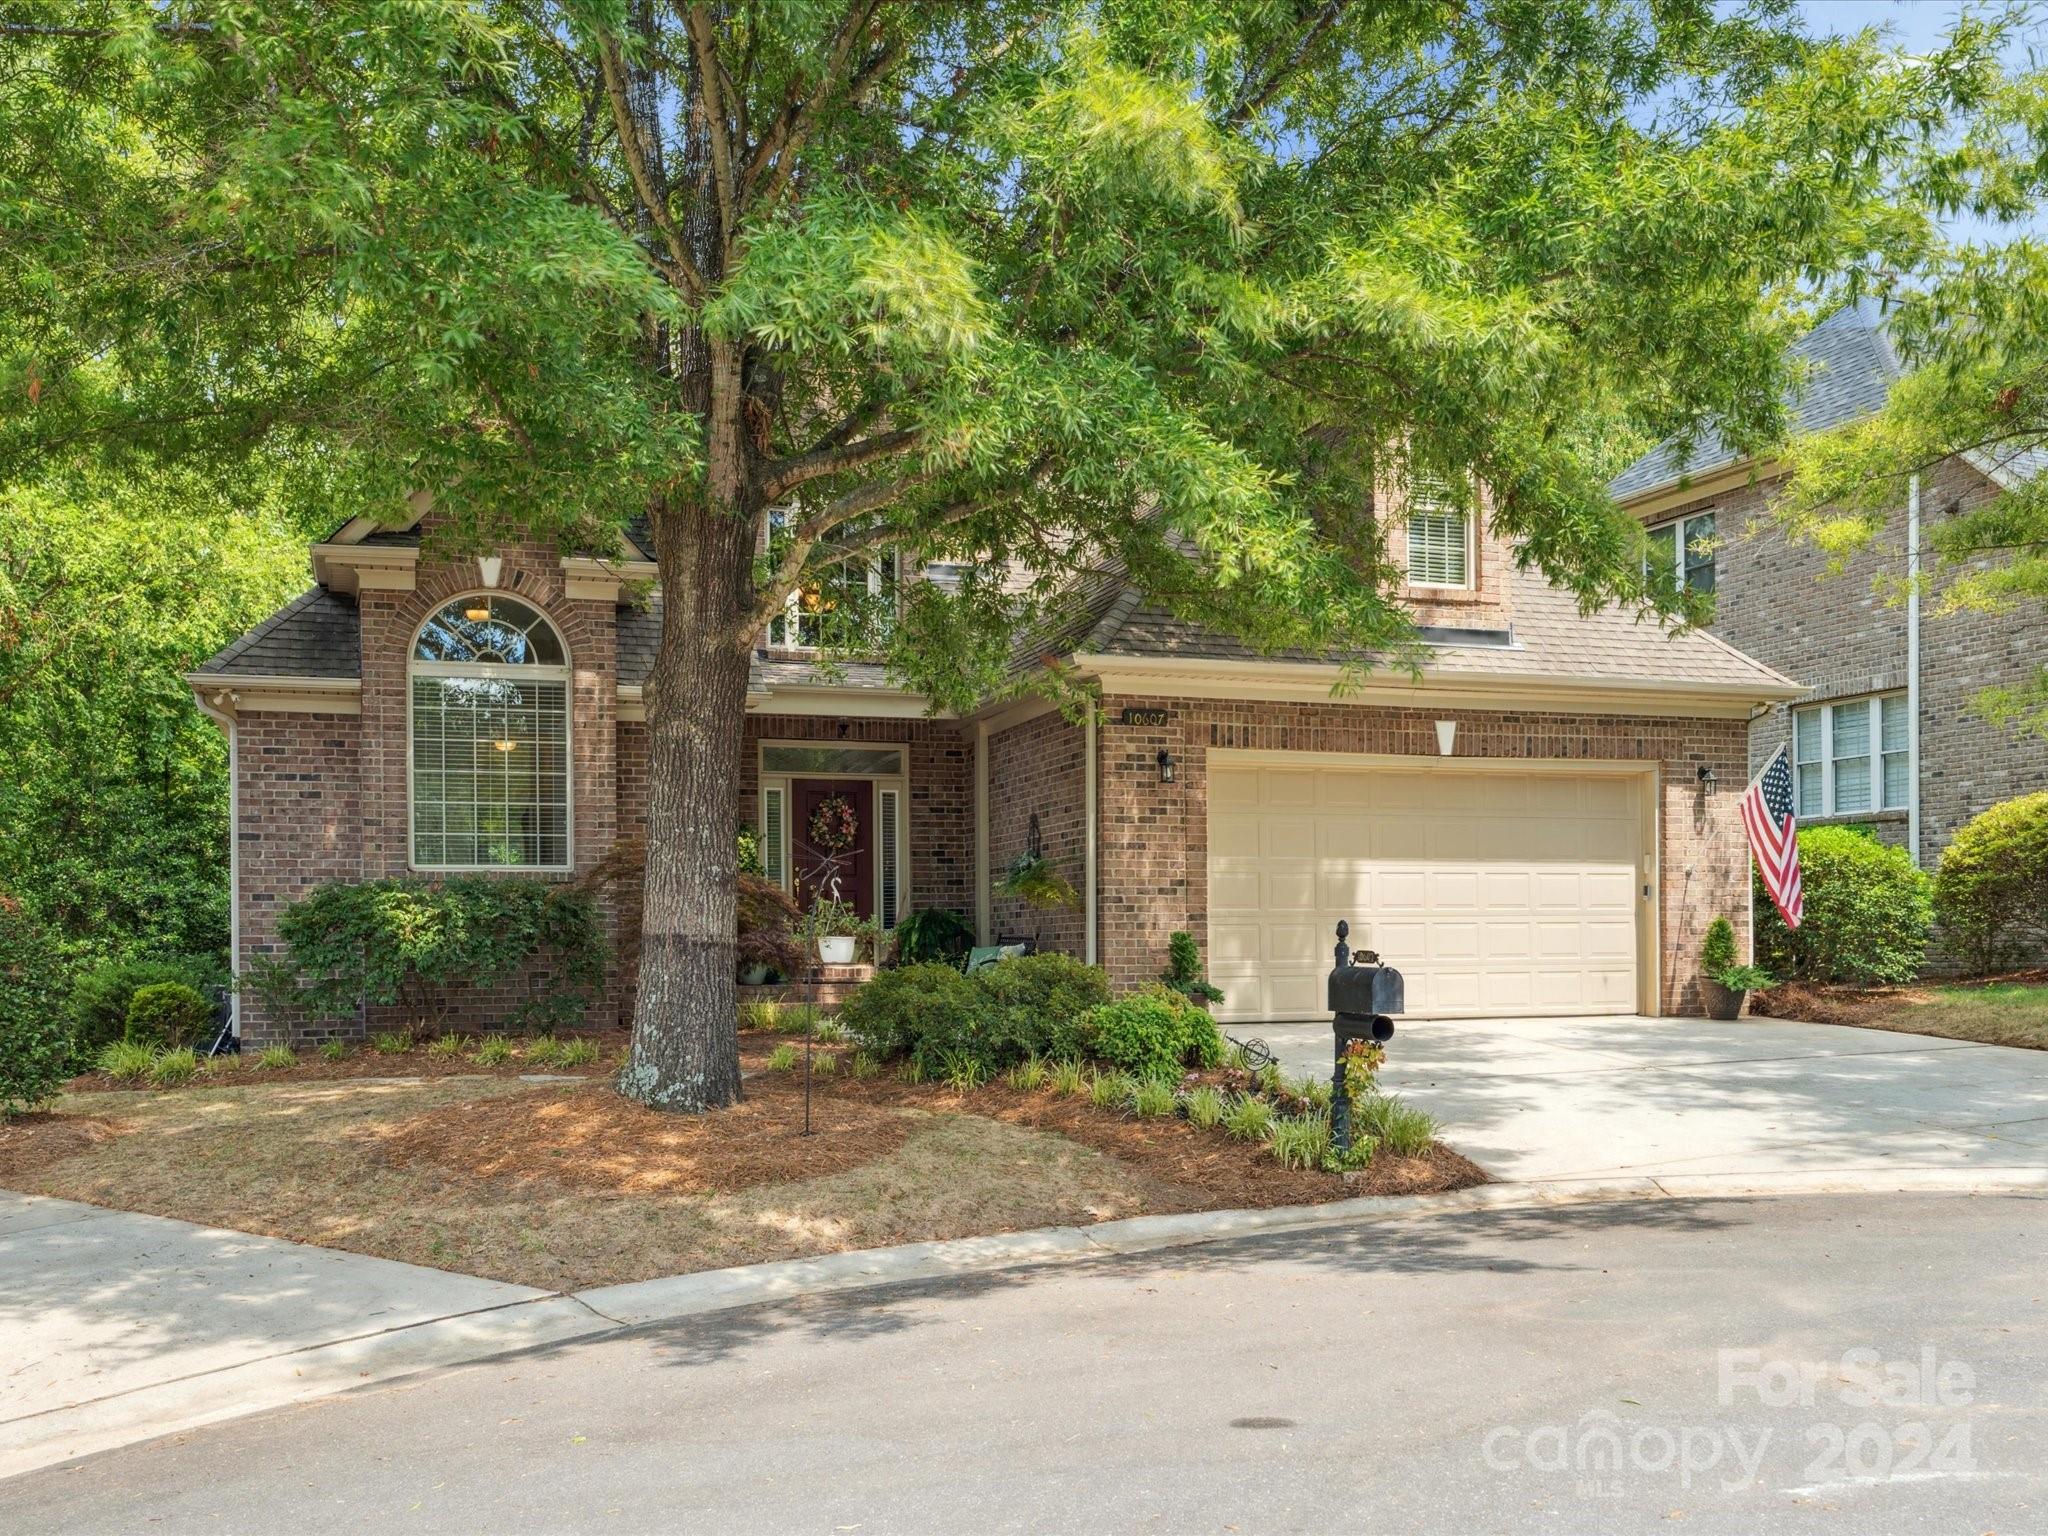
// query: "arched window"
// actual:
[[490, 738]]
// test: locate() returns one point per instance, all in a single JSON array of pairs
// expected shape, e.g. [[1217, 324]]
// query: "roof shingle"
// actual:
[[316, 634]]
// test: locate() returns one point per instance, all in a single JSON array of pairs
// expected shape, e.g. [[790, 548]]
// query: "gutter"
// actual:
[[1912, 668]]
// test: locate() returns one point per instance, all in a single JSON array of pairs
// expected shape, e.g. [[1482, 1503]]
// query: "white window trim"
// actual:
[[1409, 514], [1825, 708], [1680, 541], [488, 669], [899, 782], [792, 606]]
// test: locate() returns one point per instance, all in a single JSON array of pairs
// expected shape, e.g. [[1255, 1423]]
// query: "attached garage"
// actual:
[[1497, 887]]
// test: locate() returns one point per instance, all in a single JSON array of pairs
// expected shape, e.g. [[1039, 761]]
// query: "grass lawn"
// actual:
[[564, 1184], [2007, 1011]]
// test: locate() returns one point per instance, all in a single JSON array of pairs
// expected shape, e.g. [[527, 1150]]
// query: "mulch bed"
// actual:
[[35, 1141], [365, 1062], [1823, 1003]]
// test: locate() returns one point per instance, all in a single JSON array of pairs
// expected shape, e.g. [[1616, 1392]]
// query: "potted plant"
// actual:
[[1032, 879], [1184, 971], [834, 931], [1728, 983]]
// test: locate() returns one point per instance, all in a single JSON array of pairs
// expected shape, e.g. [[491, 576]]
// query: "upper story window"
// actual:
[[1439, 536], [1682, 552], [848, 607], [489, 700], [1851, 756]]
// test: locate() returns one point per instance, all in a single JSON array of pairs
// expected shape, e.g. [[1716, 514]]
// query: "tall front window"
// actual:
[[490, 738], [1852, 756], [1682, 552], [1439, 536]]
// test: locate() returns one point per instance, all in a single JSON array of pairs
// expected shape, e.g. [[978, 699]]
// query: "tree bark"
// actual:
[[685, 1049]]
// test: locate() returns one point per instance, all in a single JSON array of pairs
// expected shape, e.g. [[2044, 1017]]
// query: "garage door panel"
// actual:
[[1493, 892]]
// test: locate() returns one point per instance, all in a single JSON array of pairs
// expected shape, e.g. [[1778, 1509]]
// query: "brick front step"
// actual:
[[827, 987]]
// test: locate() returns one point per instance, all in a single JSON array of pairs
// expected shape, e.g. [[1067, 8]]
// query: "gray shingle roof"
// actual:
[[640, 634], [314, 635], [1852, 370]]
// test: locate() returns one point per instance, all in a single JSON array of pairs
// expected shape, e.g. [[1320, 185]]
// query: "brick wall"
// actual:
[[1154, 836], [299, 826], [1035, 769]]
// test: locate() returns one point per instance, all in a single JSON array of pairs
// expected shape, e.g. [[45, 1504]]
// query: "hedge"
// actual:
[[1029, 1006], [1991, 890], [1866, 918], [35, 1039]]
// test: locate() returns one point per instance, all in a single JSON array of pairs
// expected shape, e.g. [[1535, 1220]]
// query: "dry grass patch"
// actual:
[[2003, 1010]]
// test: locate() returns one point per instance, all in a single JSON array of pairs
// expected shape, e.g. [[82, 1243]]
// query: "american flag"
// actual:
[[1767, 814]]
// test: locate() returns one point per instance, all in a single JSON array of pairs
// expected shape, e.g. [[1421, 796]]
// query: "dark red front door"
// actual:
[[822, 871]]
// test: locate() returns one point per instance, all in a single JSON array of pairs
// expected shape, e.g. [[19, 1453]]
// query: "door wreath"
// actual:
[[834, 826]]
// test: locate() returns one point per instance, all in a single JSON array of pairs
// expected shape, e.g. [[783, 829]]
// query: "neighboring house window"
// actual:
[[1851, 756], [490, 738], [848, 607], [1685, 549], [1439, 536]]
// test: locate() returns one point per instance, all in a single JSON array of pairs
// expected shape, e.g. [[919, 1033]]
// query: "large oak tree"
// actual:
[[1182, 285]]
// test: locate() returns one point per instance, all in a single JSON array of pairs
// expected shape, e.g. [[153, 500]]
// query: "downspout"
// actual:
[[1912, 668], [1088, 818], [983, 921], [234, 879]]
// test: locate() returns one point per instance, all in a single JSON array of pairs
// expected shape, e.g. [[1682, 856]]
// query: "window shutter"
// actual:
[[887, 815], [1437, 553]]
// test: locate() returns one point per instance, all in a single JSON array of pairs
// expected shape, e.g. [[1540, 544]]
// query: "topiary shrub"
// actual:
[[1991, 890], [1868, 912], [167, 1013], [414, 942], [1153, 1032], [98, 1005], [1184, 970], [35, 1035]]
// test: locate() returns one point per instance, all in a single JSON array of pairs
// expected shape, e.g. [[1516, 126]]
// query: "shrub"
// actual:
[[824, 1063], [759, 1014], [334, 1050], [963, 1072], [168, 1013], [1153, 1032], [274, 1056], [1028, 1075], [797, 1018], [784, 1058], [768, 921], [913, 1011], [1205, 1108], [1184, 970], [933, 934], [1867, 912], [35, 1036], [1301, 1141], [1106, 1090], [1395, 1124], [863, 1065], [1248, 1118], [545, 1051], [577, 1053], [493, 1051], [100, 998], [125, 1061], [1001, 1015], [450, 1044], [414, 943], [828, 1031], [1152, 1096], [1068, 1079], [391, 1042], [1717, 950], [1032, 1005], [1991, 891], [170, 1068]]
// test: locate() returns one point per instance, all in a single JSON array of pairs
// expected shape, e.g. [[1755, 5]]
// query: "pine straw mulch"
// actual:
[[1873, 1007], [31, 1142], [594, 1140]]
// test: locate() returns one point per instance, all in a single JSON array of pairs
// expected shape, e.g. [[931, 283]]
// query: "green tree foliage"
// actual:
[[418, 943], [1991, 889], [1182, 289], [113, 798], [35, 1044], [1866, 918], [101, 995]]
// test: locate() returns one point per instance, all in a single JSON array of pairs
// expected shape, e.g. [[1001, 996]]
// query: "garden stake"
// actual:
[[810, 1030]]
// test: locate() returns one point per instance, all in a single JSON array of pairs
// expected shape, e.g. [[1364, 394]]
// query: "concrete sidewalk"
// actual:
[[116, 1327]]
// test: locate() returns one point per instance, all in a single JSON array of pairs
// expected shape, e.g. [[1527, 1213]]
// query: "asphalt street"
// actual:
[[1839, 1363]]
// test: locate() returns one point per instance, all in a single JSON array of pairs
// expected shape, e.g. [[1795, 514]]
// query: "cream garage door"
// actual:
[[1493, 892]]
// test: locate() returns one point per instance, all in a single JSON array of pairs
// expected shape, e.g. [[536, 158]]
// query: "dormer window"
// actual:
[[489, 712], [1439, 536], [1682, 552], [848, 608]]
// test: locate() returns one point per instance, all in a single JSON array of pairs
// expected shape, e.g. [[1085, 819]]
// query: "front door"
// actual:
[[832, 842]]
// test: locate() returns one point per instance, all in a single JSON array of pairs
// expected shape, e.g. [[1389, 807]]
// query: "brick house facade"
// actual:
[[317, 704], [1849, 632]]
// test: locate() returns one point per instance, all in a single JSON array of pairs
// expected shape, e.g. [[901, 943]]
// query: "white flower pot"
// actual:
[[837, 950]]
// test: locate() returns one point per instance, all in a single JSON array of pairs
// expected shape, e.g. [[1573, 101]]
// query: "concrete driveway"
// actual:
[[1691, 1102]]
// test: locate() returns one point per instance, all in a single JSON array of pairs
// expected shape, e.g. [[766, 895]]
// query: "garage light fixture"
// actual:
[[1165, 766], [1706, 777], [1446, 737]]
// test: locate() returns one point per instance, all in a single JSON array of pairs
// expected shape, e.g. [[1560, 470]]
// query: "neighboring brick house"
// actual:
[[1543, 822], [1883, 734]]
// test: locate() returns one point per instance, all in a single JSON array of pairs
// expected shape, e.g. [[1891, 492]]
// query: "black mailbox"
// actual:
[[1363, 993]]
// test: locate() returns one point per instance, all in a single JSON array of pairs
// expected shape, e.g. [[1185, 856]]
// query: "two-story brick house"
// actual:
[[1543, 822], [1883, 733]]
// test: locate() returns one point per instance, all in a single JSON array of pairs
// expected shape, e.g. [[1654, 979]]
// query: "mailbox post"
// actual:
[[1362, 995]]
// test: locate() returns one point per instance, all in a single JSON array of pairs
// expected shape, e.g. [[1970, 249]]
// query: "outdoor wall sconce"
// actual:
[[1446, 737], [1706, 777], [488, 568], [1165, 766]]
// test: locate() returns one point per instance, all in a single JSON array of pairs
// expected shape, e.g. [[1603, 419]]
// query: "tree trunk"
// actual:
[[685, 1048]]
